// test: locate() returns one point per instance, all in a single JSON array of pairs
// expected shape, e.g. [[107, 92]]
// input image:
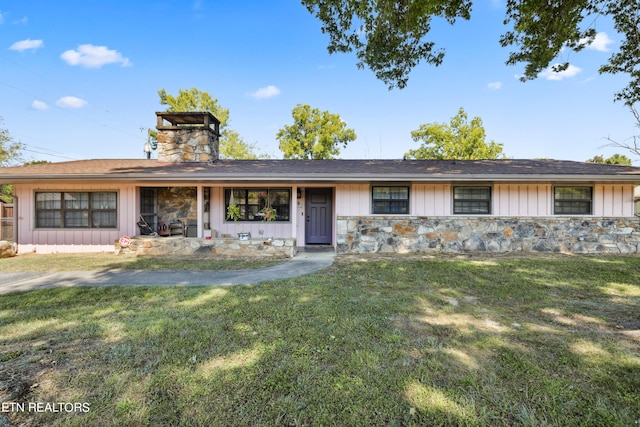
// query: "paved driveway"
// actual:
[[303, 263]]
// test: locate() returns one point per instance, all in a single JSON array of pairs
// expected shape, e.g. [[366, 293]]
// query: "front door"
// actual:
[[319, 216]]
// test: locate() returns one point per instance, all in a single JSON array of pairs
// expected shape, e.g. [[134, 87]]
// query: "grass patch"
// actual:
[[369, 341], [111, 261]]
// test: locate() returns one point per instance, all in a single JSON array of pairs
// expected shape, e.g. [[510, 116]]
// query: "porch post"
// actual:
[[200, 209]]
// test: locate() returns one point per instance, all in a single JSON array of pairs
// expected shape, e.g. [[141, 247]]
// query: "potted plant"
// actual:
[[233, 212], [269, 214]]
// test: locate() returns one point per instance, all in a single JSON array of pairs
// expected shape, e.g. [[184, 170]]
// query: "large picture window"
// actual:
[[572, 200], [471, 200], [76, 210], [252, 201], [390, 199]]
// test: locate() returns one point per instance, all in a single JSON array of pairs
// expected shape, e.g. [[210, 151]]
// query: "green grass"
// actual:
[[110, 261], [370, 341]]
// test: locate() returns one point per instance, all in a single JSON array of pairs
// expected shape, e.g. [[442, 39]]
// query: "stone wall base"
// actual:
[[185, 246], [584, 235]]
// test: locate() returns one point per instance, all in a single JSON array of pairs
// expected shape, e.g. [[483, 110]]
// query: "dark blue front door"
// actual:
[[319, 216]]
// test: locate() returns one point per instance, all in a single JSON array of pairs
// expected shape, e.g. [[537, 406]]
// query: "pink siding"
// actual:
[[430, 199], [353, 199], [613, 200], [31, 239], [522, 200]]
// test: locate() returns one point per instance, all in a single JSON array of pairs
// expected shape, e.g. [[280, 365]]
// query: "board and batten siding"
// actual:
[[522, 200], [32, 239], [615, 200], [353, 199]]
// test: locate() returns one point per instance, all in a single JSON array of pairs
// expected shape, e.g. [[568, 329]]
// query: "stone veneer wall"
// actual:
[[177, 203], [584, 235], [184, 246], [187, 145]]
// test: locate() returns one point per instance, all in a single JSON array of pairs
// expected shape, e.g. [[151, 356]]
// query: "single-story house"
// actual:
[[355, 206]]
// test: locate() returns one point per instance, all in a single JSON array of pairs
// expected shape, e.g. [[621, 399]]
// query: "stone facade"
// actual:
[[584, 235], [177, 203], [187, 145], [225, 247]]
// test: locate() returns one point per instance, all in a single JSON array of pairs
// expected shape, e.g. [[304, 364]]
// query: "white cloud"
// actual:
[[23, 45], [571, 71], [71, 102], [495, 85], [1, 18], [265, 92], [601, 42], [39, 105], [91, 56]]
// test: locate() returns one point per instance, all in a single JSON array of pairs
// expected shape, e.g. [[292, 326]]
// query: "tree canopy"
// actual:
[[389, 36], [615, 159], [10, 150], [232, 146], [314, 134], [458, 139]]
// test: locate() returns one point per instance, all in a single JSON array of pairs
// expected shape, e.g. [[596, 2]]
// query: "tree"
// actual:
[[616, 159], [634, 144], [456, 140], [9, 148], [314, 134], [232, 146], [388, 36], [9, 153]]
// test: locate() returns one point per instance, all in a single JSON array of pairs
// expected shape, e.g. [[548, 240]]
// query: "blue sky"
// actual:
[[79, 80]]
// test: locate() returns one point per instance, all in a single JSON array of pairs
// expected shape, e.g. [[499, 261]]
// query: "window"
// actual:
[[390, 200], [76, 210], [472, 200], [572, 200], [251, 201]]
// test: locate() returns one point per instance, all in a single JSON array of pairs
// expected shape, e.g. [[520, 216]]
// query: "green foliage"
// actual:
[[389, 37], [386, 35], [457, 140], [269, 214], [194, 100], [232, 146], [314, 134], [616, 159], [9, 148], [233, 213]]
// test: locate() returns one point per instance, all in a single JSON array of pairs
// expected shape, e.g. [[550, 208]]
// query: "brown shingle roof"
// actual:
[[323, 170]]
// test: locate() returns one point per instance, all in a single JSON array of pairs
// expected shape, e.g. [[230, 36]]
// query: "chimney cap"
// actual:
[[190, 118]]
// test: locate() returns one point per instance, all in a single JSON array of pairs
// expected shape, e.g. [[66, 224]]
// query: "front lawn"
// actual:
[[370, 341]]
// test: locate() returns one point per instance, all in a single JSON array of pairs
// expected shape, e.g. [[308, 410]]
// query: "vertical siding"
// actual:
[[353, 200], [431, 199], [31, 239], [522, 200], [613, 200]]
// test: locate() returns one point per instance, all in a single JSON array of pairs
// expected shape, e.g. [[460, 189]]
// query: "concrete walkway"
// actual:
[[301, 264]]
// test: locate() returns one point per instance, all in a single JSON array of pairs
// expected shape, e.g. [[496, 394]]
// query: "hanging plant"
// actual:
[[233, 213], [269, 214]]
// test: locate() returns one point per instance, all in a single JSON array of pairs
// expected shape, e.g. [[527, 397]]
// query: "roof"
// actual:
[[323, 171]]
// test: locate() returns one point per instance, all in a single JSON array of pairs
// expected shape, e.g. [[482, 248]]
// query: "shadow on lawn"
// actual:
[[417, 342]]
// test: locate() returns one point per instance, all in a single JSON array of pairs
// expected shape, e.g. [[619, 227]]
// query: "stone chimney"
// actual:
[[190, 137]]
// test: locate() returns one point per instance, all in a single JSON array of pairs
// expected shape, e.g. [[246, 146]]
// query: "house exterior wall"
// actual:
[[31, 239], [529, 204]]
